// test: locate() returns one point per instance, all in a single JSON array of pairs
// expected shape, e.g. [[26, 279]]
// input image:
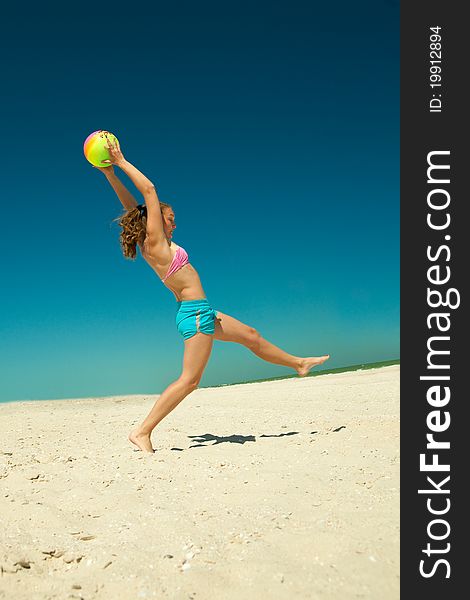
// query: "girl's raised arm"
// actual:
[[155, 231], [127, 199]]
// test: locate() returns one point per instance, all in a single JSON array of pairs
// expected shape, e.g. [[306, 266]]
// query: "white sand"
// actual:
[[285, 489]]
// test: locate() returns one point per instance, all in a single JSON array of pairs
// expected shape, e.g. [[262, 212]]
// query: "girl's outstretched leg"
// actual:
[[228, 329], [197, 350]]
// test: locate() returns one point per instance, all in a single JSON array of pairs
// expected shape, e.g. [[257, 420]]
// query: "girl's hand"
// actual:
[[115, 155], [105, 170]]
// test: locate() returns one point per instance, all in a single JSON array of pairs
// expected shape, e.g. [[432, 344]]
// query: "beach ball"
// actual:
[[94, 147]]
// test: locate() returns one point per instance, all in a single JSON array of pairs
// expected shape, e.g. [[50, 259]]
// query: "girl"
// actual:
[[151, 227]]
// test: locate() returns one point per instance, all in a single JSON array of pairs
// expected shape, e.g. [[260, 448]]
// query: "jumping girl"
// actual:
[[151, 227]]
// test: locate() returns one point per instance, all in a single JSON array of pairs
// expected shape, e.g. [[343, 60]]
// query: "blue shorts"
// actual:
[[194, 316]]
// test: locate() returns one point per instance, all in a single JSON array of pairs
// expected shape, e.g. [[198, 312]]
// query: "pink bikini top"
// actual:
[[179, 260]]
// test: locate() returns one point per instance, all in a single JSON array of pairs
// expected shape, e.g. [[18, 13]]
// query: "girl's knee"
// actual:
[[252, 338], [190, 383]]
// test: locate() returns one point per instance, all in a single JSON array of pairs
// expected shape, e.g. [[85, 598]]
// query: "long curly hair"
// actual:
[[134, 228]]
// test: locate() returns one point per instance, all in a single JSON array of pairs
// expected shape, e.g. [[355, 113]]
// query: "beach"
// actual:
[[279, 489]]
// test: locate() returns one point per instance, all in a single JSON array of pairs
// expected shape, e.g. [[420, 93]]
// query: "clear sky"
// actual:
[[273, 130]]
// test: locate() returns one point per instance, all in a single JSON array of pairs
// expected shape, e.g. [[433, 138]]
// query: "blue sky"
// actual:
[[271, 128]]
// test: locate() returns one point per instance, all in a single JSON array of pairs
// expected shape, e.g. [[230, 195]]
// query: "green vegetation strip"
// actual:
[[376, 365]]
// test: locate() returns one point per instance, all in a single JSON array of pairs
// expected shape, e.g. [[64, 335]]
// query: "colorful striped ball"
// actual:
[[94, 147]]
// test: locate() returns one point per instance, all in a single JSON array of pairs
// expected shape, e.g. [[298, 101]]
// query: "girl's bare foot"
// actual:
[[141, 440], [308, 363]]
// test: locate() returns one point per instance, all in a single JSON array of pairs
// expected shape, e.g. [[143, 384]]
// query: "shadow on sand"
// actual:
[[209, 439]]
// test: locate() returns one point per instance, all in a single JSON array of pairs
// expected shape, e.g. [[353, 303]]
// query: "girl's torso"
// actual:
[[184, 283]]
